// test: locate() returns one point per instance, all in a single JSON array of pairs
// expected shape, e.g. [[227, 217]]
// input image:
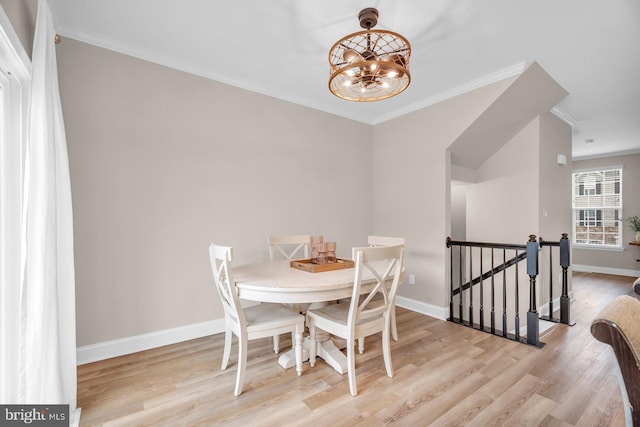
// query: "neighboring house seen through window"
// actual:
[[597, 207]]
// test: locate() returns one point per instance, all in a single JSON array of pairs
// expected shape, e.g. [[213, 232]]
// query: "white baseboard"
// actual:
[[128, 345], [441, 313], [605, 270], [544, 308], [74, 417]]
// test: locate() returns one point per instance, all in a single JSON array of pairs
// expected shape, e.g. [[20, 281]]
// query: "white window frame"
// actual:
[[597, 216], [15, 76]]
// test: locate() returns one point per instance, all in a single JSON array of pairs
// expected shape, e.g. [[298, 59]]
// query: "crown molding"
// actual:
[[606, 155], [505, 73], [129, 50], [564, 116], [146, 55]]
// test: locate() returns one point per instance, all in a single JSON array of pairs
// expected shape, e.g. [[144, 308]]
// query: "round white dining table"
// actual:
[[278, 282]]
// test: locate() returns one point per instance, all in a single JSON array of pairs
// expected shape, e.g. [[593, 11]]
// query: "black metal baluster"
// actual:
[[460, 287], [451, 315], [517, 300], [470, 287], [504, 293], [481, 294], [493, 299], [550, 282]]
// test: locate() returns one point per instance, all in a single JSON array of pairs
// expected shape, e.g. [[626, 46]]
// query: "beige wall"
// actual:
[[555, 201], [608, 260], [503, 205], [514, 189], [554, 180], [411, 186], [163, 162]]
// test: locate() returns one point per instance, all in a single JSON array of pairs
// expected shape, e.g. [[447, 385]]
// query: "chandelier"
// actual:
[[369, 65]]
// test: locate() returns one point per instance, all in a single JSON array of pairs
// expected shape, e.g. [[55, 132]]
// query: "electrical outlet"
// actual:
[[412, 279]]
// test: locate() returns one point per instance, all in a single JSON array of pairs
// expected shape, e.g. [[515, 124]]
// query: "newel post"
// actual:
[[533, 329], [565, 302]]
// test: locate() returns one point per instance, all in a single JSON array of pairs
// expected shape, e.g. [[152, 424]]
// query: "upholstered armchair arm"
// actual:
[[618, 324]]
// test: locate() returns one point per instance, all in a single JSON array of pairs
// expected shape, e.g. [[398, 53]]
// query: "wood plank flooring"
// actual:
[[445, 375]]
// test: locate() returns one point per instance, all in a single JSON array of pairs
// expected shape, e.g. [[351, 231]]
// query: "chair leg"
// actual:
[[276, 344], [361, 345], [298, 350], [312, 344], [351, 366], [242, 364], [394, 327], [386, 349], [228, 338]]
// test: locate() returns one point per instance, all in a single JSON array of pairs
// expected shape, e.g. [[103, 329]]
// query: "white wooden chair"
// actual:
[[289, 247], [259, 321], [365, 315], [384, 241]]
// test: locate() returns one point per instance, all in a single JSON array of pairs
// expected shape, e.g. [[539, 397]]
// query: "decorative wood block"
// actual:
[[307, 265]]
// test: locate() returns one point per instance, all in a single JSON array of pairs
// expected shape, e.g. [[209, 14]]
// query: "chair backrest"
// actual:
[[385, 241], [385, 263], [220, 257], [617, 325], [289, 247]]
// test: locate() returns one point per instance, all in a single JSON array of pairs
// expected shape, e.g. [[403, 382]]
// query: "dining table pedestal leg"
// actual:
[[288, 358], [326, 349], [331, 354]]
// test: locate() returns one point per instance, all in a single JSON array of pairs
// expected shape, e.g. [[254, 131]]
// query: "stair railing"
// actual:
[[464, 291]]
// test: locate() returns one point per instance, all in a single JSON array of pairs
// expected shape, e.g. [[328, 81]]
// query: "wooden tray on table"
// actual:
[[307, 265]]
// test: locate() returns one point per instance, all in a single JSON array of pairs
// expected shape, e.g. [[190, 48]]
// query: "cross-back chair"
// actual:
[[369, 310], [250, 323], [289, 247], [384, 241]]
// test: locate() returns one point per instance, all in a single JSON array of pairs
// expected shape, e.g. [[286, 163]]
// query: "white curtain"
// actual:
[[47, 296]]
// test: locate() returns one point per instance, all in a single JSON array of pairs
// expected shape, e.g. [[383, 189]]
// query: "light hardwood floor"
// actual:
[[445, 375]]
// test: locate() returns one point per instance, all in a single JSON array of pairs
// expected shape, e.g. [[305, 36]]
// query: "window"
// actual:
[[597, 207]]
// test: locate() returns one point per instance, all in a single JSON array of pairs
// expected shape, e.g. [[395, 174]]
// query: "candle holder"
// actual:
[[330, 248], [317, 246]]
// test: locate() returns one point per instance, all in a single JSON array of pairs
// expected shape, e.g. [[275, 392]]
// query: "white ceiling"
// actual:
[[280, 47]]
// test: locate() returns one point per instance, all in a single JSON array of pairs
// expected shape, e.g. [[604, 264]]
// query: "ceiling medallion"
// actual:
[[369, 65]]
